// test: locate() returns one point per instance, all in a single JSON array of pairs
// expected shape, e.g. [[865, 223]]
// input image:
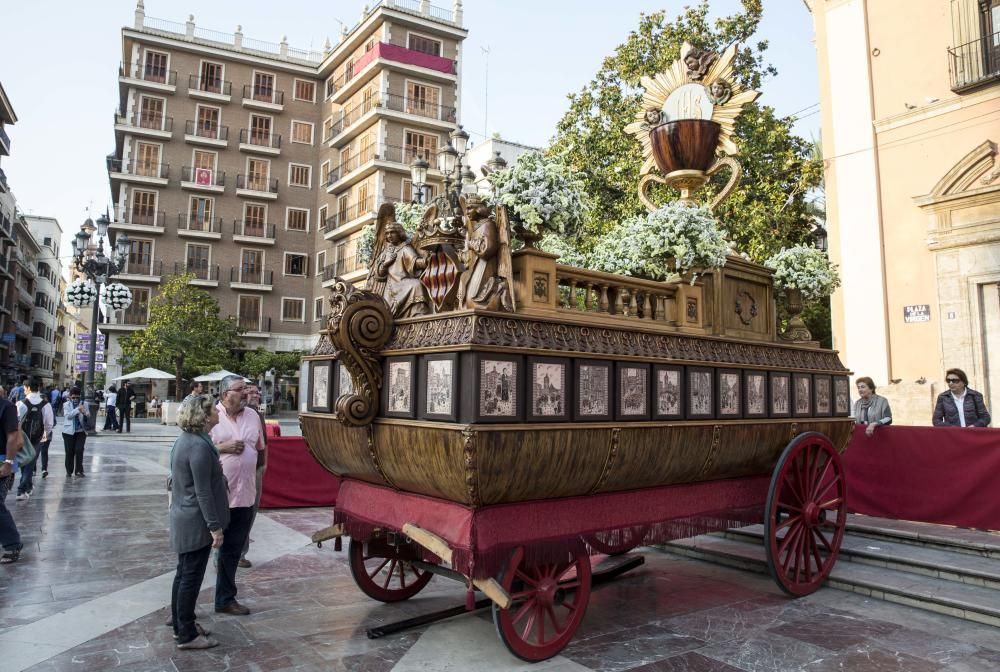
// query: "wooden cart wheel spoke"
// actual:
[[541, 624], [802, 548], [383, 571], [523, 611], [552, 617], [569, 585], [529, 626], [533, 582]]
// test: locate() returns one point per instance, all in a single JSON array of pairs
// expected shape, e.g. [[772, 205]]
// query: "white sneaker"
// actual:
[[23, 497]]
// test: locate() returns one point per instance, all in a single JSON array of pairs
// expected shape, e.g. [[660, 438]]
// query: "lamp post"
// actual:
[[89, 259], [418, 178]]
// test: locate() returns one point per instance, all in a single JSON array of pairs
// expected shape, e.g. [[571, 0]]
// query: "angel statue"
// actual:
[[486, 280], [396, 266]]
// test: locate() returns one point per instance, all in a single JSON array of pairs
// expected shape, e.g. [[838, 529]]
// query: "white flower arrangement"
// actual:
[[675, 235], [116, 296], [409, 215], [569, 255], [81, 293], [806, 269], [542, 194]]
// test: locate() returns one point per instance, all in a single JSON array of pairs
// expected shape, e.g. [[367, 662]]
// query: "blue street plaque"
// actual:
[[8, 337]]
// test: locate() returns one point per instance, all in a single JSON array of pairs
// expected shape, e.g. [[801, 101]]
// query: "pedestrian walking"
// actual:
[[199, 513], [11, 437], [17, 394], [74, 431], [110, 418], [253, 404], [34, 414], [960, 406], [238, 437], [197, 389], [124, 403]]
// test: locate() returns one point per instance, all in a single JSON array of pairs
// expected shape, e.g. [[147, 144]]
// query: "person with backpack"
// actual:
[[34, 413]]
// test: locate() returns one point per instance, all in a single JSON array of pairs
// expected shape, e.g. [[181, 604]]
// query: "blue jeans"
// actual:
[[10, 538], [187, 583], [233, 539], [27, 476]]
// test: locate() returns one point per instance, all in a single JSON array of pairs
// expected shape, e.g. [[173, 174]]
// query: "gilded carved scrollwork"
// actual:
[[360, 324]]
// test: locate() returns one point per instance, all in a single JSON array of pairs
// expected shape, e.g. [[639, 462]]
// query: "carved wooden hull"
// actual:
[[479, 465]]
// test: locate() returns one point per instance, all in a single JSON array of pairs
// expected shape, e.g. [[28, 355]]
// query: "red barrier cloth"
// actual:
[[944, 475], [272, 429], [294, 478]]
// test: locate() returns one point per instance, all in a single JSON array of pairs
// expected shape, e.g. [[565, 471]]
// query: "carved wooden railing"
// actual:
[[586, 291]]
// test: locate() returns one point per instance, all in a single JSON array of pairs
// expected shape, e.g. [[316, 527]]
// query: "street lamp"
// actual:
[[821, 237], [91, 262], [418, 178]]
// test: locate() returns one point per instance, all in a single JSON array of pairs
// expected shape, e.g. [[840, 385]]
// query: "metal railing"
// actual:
[[974, 63], [255, 183], [347, 214], [242, 227], [5, 139], [205, 177], [221, 86], [250, 137], [143, 264], [250, 276], [139, 168], [255, 323], [153, 122], [390, 153], [150, 74], [420, 107], [201, 271], [209, 131], [155, 218], [188, 222], [251, 92]]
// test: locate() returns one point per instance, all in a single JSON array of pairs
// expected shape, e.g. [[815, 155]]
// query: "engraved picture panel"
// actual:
[[756, 393], [440, 374], [824, 400], [321, 386], [668, 392], [700, 393], [593, 390], [842, 396], [400, 379], [497, 388], [730, 405], [548, 390], [633, 388]]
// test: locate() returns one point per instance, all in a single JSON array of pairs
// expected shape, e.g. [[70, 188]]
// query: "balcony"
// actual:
[[216, 90], [349, 262], [4, 143], [351, 218], [263, 99], [205, 275], [361, 165], [242, 277], [254, 326], [975, 63], [253, 232], [411, 110], [141, 268], [203, 179], [259, 143], [133, 318], [199, 226], [4, 188], [145, 125], [212, 135], [6, 223], [418, 62], [148, 77], [253, 186], [140, 222], [22, 328], [141, 172]]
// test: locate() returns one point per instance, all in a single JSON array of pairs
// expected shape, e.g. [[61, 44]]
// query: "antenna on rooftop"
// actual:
[[486, 92]]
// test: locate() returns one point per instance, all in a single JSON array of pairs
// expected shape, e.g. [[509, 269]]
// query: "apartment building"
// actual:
[[255, 165], [45, 356], [8, 216]]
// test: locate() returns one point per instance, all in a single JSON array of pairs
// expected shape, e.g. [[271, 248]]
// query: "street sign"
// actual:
[[918, 313], [85, 356], [8, 337], [85, 347], [99, 366]]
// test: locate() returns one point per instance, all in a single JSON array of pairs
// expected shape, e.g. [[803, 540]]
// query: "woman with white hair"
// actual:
[[199, 512]]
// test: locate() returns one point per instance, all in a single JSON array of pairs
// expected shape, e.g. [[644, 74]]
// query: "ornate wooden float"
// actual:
[[499, 418]]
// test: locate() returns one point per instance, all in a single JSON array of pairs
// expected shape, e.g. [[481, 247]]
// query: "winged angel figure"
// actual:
[[486, 281], [395, 271]]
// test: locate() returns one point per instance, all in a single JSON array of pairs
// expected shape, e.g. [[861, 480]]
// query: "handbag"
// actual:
[[27, 454]]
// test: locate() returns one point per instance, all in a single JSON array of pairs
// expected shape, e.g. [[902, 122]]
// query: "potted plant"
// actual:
[[804, 273]]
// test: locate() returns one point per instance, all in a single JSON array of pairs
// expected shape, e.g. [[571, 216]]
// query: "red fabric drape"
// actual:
[[294, 478], [946, 475]]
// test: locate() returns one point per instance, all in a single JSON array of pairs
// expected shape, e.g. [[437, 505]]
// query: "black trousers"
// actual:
[[125, 419], [187, 583], [235, 536], [75, 444]]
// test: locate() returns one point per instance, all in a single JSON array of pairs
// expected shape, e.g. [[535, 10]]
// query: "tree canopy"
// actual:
[[768, 210], [184, 334], [258, 362]]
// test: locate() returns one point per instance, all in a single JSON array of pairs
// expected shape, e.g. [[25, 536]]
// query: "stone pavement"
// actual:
[[92, 590]]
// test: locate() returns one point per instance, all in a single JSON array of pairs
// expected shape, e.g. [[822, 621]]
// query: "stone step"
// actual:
[[884, 552], [957, 539], [968, 602]]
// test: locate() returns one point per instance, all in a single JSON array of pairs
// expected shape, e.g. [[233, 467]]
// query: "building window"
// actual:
[[318, 308], [302, 132], [297, 219], [420, 145], [248, 313], [258, 172], [252, 266], [322, 214], [424, 45], [147, 162], [208, 122], [260, 130], [422, 99], [200, 215], [408, 194], [304, 90], [196, 261], [140, 257], [155, 67], [324, 172], [299, 175], [293, 310], [263, 87], [151, 112], [331, 85], [320, 262], [138, 312], [211, 77], [143, 209], [295, 264]]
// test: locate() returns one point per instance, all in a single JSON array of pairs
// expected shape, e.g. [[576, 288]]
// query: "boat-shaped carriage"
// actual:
[[504, 419]]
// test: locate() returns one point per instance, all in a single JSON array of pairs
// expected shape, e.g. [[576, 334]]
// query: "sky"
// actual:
[[59, 64]]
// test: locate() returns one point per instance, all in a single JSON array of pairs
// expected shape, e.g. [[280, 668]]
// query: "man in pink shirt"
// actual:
[[238, 436]]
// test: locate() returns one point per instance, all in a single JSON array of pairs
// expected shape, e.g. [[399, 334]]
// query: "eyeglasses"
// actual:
[[952, 380]]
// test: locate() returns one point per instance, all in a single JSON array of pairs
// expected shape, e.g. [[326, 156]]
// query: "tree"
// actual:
[[184, 334], [766, 211], [258, 362]]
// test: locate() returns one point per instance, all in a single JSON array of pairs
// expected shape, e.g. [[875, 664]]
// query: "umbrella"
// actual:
[[151, 373], [215, 376]]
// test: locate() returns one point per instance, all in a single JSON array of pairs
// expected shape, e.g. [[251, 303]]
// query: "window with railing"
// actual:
[[200, 214], [263, 87], [197, 260], [208, 122], [151, 112], [155, 67], [138, 312], [140, 257], [211, 77], [974, 61], [249, 313], [143, 209]]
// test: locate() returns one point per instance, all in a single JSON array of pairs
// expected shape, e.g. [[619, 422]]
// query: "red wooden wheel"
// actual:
[[383, 571], [617, 543], [805, 514], [548, 603]]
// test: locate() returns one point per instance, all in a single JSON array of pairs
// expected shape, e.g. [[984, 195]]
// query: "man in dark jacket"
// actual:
[[960, 406], [124, 405]]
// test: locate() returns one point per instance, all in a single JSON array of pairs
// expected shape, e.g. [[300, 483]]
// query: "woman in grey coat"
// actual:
[[199, 512], [870, 409]]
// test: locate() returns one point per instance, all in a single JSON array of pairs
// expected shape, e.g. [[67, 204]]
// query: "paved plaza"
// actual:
[[92, 592]]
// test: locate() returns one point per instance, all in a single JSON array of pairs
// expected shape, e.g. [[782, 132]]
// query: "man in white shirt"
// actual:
[[34, 414]]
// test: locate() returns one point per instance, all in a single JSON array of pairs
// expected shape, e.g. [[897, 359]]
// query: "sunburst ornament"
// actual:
[[699, 85]]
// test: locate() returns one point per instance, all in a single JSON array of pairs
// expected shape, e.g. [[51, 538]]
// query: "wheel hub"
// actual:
[[547, 590], [812, 514]]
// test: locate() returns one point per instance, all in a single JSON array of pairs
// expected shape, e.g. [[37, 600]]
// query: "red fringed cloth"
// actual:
[[483, 539], [944, 475], [294, 478]]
